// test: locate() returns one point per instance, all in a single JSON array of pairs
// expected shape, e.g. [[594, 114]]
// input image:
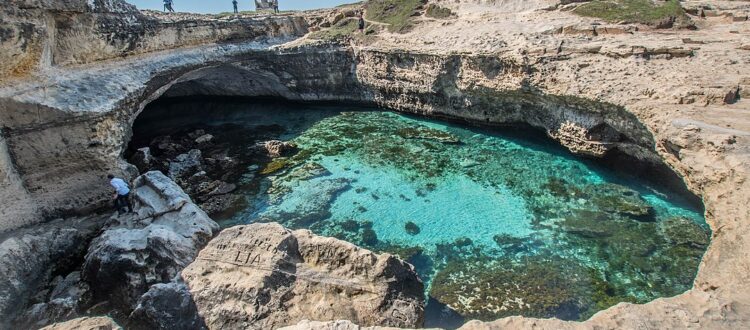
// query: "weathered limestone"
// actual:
[[86, 323], [52, 163], [264, 276], [69, 298], [166, 306], [147, 248], [30, 257]]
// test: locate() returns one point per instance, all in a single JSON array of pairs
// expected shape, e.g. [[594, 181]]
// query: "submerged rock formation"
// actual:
[[147, 248], [264, 276]]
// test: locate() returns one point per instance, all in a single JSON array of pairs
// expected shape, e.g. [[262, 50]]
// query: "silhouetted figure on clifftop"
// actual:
[[168, 6]]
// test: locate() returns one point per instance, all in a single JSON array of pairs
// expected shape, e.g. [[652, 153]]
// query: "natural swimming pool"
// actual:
[[497, 222]]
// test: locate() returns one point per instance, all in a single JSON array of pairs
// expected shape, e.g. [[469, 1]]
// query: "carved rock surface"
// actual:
[[264, 276], [150, 247]]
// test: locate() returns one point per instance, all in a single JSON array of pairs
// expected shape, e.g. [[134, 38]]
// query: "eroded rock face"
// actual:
[[30, 258], [69, 298], [166, 306], [86, 323], [264, 276], [149, 247]]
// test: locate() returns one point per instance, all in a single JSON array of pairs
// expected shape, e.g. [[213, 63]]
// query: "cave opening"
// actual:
[[497, 221]]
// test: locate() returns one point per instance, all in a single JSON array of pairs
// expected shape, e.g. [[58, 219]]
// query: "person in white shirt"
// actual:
[[122, 194]]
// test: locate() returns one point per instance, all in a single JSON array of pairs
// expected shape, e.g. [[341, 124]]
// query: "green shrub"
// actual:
[[634, 11], [436, 11], [341, 30], [396, 13]]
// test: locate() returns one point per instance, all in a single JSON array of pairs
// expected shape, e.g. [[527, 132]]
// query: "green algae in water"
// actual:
[[495, 225]]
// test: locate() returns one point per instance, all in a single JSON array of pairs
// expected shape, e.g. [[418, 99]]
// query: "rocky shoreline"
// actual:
[[676, 95], [141, 263]]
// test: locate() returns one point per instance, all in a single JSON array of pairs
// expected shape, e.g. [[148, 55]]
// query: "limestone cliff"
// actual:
[[51, 162]]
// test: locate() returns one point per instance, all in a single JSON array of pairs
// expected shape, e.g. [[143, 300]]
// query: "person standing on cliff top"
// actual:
[[168, 6], [122, 194], [276, 6], [234, 3]]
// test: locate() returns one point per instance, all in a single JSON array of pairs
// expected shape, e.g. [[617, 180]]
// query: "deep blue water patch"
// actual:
[[496, 223]]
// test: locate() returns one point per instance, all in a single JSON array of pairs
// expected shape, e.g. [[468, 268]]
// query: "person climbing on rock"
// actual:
[[234, 3], [122, 194], [361, 23]]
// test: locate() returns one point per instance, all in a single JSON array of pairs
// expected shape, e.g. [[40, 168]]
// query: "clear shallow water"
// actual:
[[495, 224]]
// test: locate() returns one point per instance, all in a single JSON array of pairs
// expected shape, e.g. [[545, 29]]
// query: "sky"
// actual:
[[217, 6]]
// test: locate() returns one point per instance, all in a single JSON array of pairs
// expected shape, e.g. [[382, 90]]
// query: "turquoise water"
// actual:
[[496, 224]]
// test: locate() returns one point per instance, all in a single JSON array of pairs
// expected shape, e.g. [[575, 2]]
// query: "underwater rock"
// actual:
[[683, 231], [511, 244], [533, 287], [425, 133], [316, 206], [350, 225], [411, 228], [463, 242], [369, 237], [274, 166], [264, 276], [614, 198], [588, 224], [149, 247], [467, 163]]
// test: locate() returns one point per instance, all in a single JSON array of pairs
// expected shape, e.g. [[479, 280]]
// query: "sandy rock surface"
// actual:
[[264, 276], [332, 325], [86, 323]]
